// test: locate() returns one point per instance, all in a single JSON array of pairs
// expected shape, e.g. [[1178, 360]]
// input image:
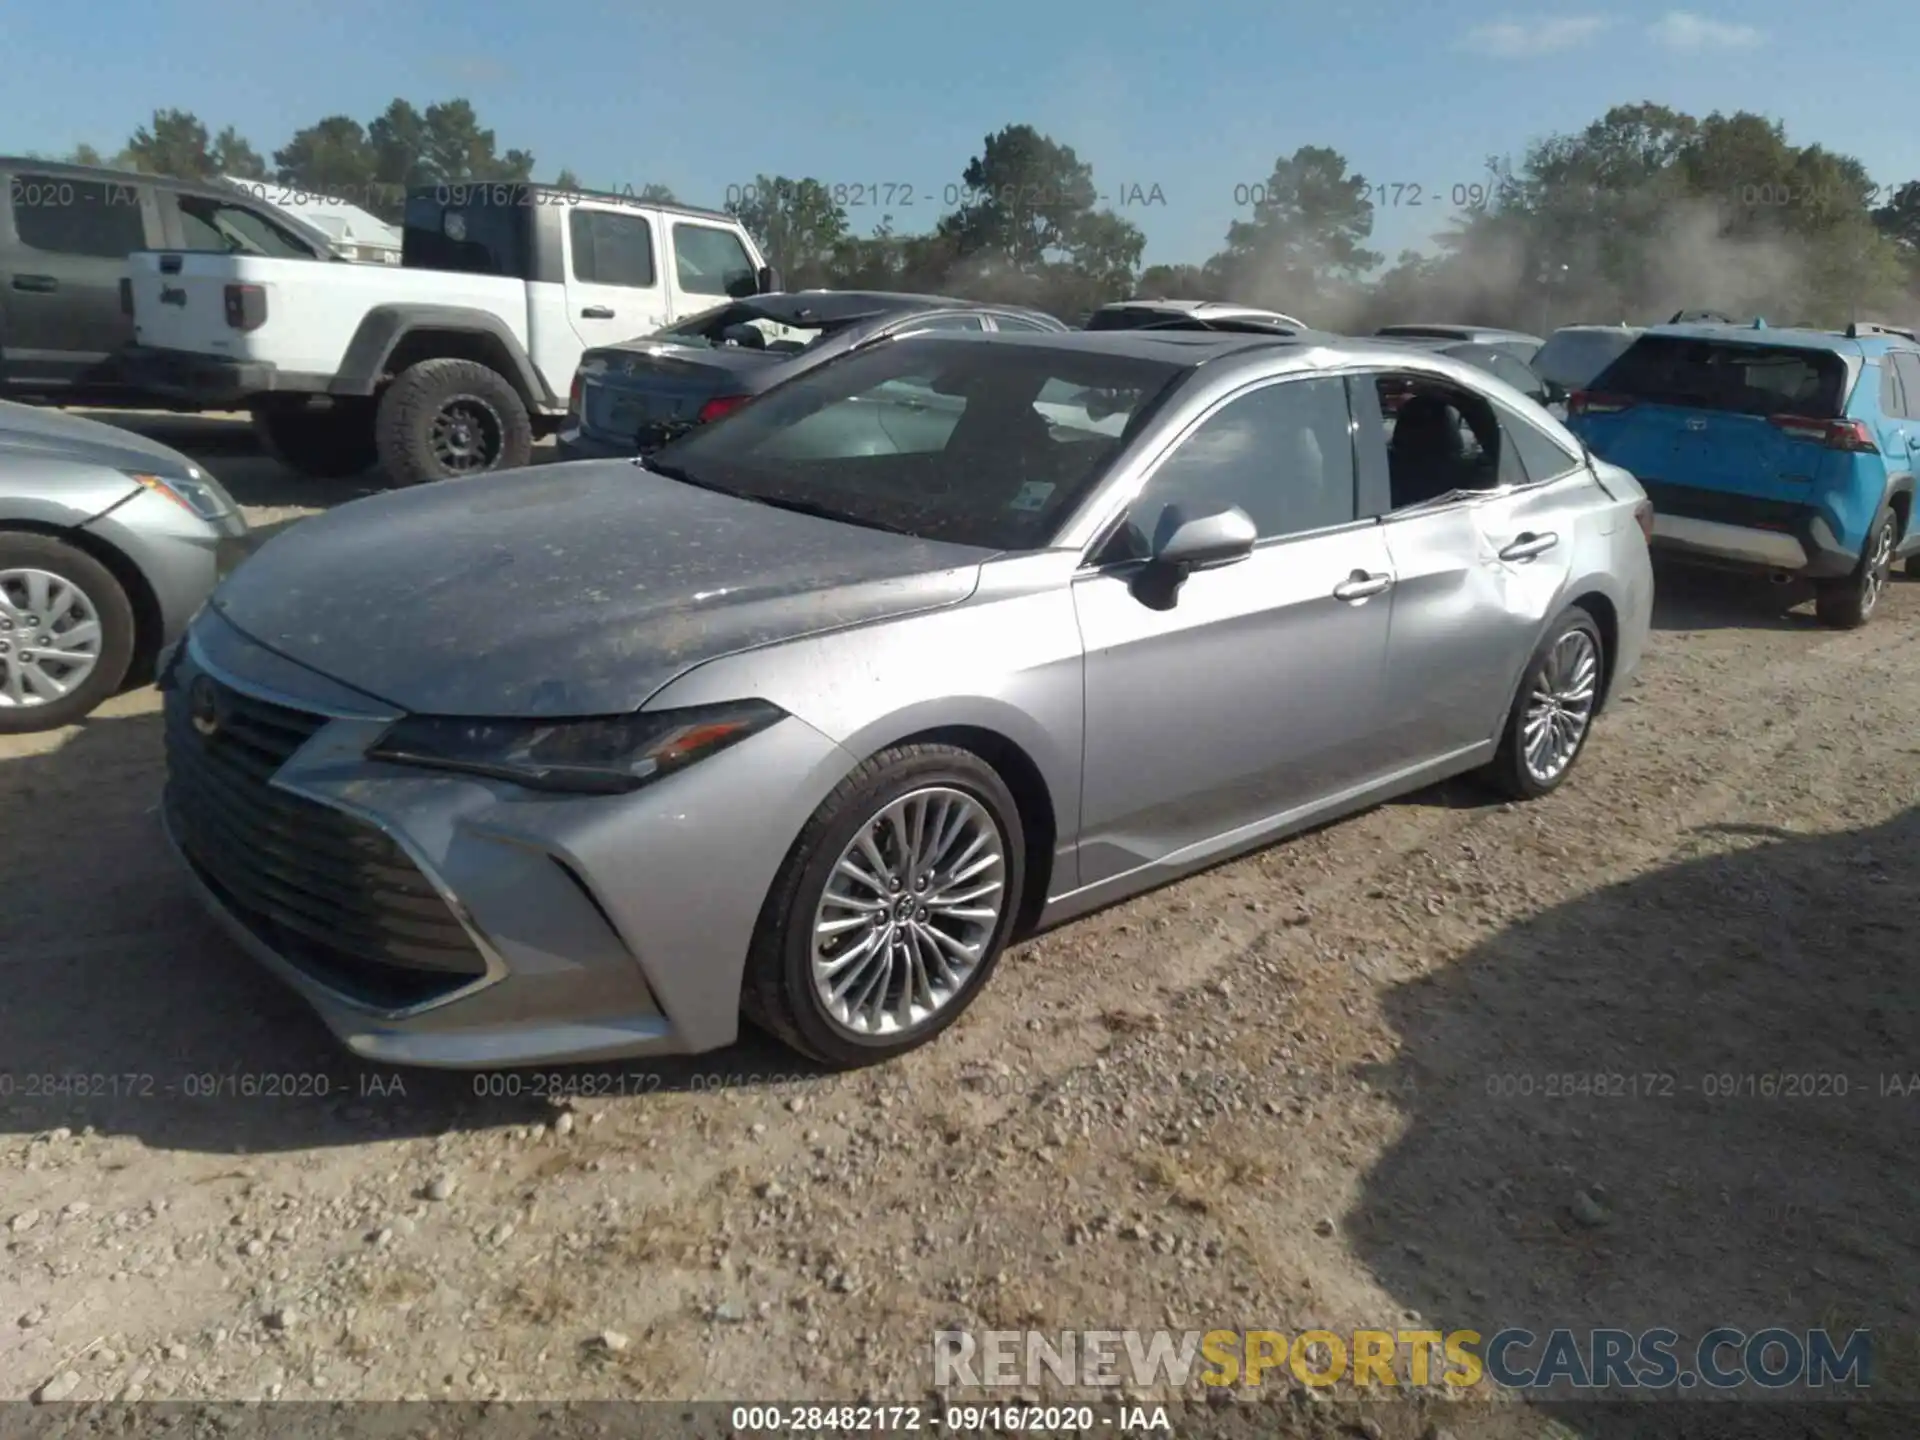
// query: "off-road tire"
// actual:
[[324, 444], [777, 994], [403, 429], [23, 551], [1508, 772], [1849, 603]]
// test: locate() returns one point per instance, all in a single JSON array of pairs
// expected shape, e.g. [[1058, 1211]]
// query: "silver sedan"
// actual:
[[109, 542], [808, 715]]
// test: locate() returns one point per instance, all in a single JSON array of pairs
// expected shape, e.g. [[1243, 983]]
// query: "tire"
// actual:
[[482, 423], [779, 993], [329, 444], [25, 559], [1581, 669], [1848, 604]]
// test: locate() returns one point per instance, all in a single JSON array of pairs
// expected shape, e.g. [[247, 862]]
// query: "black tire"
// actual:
[[27, 552], [1510, 773], [1848, 604], [447, 419], [778, 994], [326, 444]]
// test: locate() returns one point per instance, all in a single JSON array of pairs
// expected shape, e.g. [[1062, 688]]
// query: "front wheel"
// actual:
[[891, 910], [1553, 711], [66, 633], [445, 419], [1848, 604]]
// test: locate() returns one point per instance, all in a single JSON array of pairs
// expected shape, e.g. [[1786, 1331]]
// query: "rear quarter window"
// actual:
[[473, 238], [1728, 375]]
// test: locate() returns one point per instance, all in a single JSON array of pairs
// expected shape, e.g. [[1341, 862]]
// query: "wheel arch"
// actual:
[[1606, 616], [392, 338]]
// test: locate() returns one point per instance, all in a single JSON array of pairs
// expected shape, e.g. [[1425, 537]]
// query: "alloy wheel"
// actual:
[[50, 637], [467, 435], [1560, 707], [909, 912]]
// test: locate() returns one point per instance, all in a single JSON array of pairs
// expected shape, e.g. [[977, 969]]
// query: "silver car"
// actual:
[[109, 542], [809, 714]]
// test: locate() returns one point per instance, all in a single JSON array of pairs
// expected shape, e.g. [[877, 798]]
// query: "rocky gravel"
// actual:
[[1452, 1063]]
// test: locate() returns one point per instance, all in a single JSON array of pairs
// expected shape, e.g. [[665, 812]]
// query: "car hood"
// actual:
[[566, 590], [32, 430]]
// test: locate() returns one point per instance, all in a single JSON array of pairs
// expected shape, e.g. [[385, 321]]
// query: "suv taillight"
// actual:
[[574, 394], [1834, 434], [721, 405], [246, 306], [126, 295], [1593, 402]]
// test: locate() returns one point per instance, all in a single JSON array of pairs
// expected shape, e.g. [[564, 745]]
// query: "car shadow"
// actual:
[[127, 1009], [1687, 1100], [1695, 597]]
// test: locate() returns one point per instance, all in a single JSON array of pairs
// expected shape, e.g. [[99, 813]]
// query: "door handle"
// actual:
[[38, 284], [1361, 586], [597, 312], [1530, 545]]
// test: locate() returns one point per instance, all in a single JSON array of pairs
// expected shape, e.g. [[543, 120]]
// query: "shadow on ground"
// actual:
[[1693, 597], [1688, 1100], [127, 1009]]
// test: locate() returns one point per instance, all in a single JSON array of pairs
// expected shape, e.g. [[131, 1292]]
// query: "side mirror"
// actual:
[[767, 281], [1186, 542]]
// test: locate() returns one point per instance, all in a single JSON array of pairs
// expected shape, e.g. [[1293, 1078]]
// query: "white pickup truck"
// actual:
[[455, 361]]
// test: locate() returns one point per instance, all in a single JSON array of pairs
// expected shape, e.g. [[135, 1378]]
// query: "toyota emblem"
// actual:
[[203, 707]]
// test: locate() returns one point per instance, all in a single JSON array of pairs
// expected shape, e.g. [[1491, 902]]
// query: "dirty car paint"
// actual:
[[569, 590]]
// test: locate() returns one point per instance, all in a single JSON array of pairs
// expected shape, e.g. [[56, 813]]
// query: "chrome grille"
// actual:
[[333, 895]]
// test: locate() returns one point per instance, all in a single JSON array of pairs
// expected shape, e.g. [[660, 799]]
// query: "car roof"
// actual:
[[564, 194], [832, 305], [1457, 332], [1798, 337], [106, 174], [1200, 347], [1205, 308]]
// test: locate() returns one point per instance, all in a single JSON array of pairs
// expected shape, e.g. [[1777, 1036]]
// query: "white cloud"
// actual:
[[1684, 30], [1513, 40]]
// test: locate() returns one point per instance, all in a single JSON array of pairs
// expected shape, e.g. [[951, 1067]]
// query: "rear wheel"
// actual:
[[66, 633], [891, 910], [445, 419], [1553, 711], [1848, 604], [326, 444]]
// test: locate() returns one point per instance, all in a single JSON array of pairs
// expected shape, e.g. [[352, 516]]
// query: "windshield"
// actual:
[[978, 444], [746, 326], [1722, 375], [1573, 357]]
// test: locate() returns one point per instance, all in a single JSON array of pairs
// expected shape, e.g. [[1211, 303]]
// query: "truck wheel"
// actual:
[[323, 444], [66, 633], [443, 419]]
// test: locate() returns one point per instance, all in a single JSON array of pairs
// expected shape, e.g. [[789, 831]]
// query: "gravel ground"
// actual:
[[1319, 1087]]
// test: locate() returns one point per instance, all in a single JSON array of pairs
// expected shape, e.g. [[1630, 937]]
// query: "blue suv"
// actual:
[[1785, 450]]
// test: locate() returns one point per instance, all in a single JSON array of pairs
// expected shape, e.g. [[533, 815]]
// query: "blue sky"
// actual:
[[1196, 99]]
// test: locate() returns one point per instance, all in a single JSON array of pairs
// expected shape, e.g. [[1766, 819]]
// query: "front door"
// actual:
[[1257, 691], [710, 267]]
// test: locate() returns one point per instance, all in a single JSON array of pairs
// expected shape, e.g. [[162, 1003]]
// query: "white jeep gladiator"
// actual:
[[455, 361]]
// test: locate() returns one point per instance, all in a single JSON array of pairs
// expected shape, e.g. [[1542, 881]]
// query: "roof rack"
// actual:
[[1860, 329], [1702, 317]]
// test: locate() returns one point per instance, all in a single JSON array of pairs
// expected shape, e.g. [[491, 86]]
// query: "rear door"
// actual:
[[63, 252], [1713, 414], [1906, 367], [710, 266], [615, 290]]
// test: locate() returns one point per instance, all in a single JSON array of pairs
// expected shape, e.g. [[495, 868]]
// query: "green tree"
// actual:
[[457, 147], [331, 157], [232, 155], [173, 143], [1307, 238], [84, 154], [566, 180], [1178, 282], [796, 224]]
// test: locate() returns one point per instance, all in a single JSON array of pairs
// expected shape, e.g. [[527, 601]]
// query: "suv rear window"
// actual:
[[1728, 375], [461, 229], [1573, 357]]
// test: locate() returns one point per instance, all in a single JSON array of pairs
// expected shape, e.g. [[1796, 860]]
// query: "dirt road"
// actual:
[[1474, 1063]]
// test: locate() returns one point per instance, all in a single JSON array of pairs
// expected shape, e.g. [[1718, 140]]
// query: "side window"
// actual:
[[1018, 322], [1536, 455], [1283, 454], [611, 249], [1514, 373], [237, 230], [1907, 364], [711, 262], [77, 217], [920, 324], [1441, 438], [1892, 400]]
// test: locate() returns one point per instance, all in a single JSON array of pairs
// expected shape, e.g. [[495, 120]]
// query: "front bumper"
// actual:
[[441, 920]]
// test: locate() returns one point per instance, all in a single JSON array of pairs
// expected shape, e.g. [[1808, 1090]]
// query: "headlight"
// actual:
[[196, 491], [602, 756]]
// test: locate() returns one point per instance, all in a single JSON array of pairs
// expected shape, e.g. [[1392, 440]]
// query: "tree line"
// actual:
[[1645, 211]]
